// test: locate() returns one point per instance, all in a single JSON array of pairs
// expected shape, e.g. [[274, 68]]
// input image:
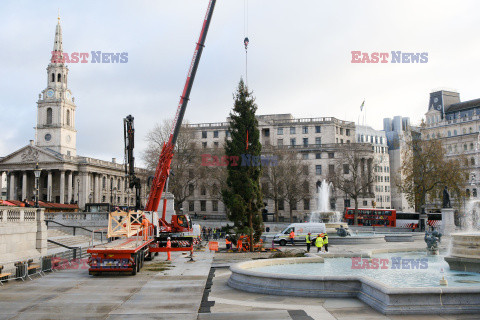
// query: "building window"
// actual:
[[191, 206], [305, 156], [305, 142], [454, 132], [467, 193], [306, 204], [280, 142], [104, 199], [318, 129], [465, 147], [204, 134], [305, 187], [331, 169], [59, 77], [215, 205], [68, 117], [292, 142], [280, 131], [318, 169], [305, 169], [104, 183], [471, 146], [190, 174], [191, 189], [215, 134], [318, 155], [474, 193], [472, 161], [347, 132], [204, 145], [294, 205], [292, 130], [281, 205], [227, 133], [341, 131], [266, 133], [203, 191], [203, 205], [53, 77], [215, 144], [331, 155], [318, 141], [365, 202], [49, 116], [304, 129]]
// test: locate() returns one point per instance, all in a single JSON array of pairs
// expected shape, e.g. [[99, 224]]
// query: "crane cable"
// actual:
[[245, 33]]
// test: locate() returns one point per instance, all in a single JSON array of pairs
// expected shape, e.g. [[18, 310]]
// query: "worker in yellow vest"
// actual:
[[325, 242], [308, 241], [319, 242]]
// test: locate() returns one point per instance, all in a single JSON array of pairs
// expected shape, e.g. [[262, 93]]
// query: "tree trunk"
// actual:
[[355, 214], [291, 213], [276, 209]]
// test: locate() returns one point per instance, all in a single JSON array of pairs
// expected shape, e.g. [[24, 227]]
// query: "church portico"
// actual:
[[65, 177]]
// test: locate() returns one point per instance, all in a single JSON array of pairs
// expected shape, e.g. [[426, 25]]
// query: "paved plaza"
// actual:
[[187, 290]]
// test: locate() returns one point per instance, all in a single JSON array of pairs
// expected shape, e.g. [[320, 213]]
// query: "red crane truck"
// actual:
[[144, 233]]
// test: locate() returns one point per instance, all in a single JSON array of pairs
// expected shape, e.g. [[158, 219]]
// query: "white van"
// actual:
[[301, 230]]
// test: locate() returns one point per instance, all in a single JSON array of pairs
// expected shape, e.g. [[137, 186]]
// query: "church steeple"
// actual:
[[55, 128], [58, 45]]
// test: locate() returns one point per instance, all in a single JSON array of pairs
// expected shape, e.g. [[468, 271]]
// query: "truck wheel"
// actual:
[[283, 242], [139, 262], [134, 267]]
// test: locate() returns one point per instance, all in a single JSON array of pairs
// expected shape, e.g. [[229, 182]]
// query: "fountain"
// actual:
[[465, 252], [331, 218]]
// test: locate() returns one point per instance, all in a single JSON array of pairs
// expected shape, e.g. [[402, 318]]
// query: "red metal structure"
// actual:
[[372, 217], [127, 255]]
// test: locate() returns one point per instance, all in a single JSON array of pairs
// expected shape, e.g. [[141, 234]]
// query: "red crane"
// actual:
[[163, 167]]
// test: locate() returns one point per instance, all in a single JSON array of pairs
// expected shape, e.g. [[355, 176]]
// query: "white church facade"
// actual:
[[65, 178]]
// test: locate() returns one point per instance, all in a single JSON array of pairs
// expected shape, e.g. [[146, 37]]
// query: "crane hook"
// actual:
[[245, 42]]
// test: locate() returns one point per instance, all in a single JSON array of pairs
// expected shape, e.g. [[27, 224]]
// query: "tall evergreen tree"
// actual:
[[242, 195]]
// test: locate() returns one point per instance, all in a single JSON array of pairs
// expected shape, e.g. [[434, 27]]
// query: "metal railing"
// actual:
[[76, 227]]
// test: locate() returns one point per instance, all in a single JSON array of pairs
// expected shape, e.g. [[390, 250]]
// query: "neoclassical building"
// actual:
[[65, 176]]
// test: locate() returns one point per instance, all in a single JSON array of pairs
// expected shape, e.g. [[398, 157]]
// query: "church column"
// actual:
[[69, 186], [62, 186], [12, 195], [1, 183], [49, 186], [24, 185], [97, 188], [84, 190]]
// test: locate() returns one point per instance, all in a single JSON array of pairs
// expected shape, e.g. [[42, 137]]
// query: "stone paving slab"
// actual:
[[260, 315]]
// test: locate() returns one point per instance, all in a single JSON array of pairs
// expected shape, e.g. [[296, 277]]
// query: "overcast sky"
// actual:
[[299, 61]]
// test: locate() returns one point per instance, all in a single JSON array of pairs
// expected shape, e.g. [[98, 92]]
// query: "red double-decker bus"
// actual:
[[372, 217]]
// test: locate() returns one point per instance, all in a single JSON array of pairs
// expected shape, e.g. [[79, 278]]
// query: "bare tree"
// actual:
[[273, 177], [185, 165], [426, 171], [354, 173]]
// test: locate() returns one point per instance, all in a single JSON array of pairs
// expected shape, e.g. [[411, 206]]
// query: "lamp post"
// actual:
[[37, 173], [78, 191]]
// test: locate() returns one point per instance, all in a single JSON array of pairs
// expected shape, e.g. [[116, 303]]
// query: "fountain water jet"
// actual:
[[324, 213]]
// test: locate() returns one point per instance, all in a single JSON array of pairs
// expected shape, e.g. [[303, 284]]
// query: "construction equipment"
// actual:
[[139, 240]]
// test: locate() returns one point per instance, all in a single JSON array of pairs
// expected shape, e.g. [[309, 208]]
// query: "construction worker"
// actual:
[[308, 241], [292, 237], [145, 227], [325, 242], [228, 243], [319, 243], [169, 245]]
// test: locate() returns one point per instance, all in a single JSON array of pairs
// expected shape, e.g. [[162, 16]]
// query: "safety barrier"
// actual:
[[213, 246], [21, 270]]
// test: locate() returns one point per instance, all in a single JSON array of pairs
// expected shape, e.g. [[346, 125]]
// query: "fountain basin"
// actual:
[[369, 239], [386, 299], [399, 238], [465, 253]]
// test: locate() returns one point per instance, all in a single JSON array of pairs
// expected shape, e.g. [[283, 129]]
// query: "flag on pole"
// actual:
[[361, 107]]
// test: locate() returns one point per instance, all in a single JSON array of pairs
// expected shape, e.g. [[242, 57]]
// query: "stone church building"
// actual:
[[65, 176]]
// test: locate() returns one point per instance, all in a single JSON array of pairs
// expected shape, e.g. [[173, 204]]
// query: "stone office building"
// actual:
[[318, 142], [65, 176]]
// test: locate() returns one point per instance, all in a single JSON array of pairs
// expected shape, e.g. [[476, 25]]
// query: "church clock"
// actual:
[[49, 93]]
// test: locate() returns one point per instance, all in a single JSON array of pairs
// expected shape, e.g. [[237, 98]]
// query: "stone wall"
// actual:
[[23, 234]]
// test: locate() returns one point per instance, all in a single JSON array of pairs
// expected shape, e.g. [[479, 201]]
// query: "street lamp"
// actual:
[[78, 191], [37, 173]]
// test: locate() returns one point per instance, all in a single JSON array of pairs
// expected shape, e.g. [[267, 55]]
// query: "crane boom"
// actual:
[[163, 167]]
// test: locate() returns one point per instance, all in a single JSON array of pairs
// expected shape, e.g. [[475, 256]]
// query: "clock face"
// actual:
[[435, 100], [48, 137], [438, 107], [49, 93]]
